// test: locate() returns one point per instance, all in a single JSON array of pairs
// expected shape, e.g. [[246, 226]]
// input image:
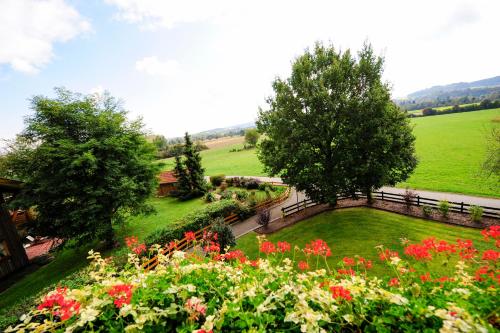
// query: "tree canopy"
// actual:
[[331, 127], [251, 137], [84, 164]]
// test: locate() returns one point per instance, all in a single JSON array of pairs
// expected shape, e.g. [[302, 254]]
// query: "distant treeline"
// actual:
[[485, 104], [214, 134], [458, 97], [167, 148]]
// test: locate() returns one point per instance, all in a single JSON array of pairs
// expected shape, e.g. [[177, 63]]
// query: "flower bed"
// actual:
[[228, 292]]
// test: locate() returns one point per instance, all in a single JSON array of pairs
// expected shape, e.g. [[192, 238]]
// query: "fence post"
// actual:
[[418, 200], [462, 207], [382, 195]]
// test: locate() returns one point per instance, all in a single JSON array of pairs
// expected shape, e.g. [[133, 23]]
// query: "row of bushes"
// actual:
[[198, 220], [476, 212], [484, 105]]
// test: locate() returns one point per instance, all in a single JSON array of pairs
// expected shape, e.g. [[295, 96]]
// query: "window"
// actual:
[[4, 249]]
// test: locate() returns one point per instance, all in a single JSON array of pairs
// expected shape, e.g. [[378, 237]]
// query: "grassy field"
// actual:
[[356, 231], [450, 149], [221, 160]]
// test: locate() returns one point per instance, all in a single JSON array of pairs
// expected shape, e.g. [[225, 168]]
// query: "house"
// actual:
[[167, 183], [12, 253]]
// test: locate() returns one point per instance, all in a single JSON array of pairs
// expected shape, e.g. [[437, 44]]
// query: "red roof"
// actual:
[[167, 177]]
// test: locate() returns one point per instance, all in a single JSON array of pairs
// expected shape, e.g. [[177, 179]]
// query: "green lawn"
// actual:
[[450, 149], [357, 231], [71, 260]]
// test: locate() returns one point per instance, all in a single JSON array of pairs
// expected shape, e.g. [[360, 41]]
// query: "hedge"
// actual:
[[197, 220]]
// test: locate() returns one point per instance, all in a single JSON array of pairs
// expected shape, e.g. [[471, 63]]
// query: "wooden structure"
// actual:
[[167, 184], [12, 253]]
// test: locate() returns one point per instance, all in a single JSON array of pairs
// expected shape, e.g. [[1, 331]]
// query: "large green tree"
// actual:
[[331, 127], [84, 164]]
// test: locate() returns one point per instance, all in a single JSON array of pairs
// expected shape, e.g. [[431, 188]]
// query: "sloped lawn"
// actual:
[[357, 231]]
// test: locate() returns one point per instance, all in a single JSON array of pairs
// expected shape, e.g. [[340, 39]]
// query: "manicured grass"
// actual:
[[356, 231], [168, 210], [222, 161], [451, 149], [68, 261]]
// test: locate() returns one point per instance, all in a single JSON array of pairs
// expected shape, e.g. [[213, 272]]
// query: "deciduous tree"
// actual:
[[84, 164], [331, 127]]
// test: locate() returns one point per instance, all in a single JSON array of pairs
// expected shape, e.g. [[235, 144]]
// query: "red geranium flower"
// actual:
[[318, 248], [340, 292], [419, 252], [346, 272], [303, 265], [267, 247], [122, 293], [394, 282], [59, 305], [190, 236], [284, 246], [491, 255], [388, 254], [349, 261], [426, 277]]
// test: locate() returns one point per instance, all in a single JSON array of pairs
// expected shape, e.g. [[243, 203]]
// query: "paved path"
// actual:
[[250, 224], [482, 201]]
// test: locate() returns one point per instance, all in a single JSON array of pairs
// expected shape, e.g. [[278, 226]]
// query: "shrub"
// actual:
[[227, 194], [252, 184], [229, 181], [198, 220], [252, 200], [209, 197], [476, 213], [263, 217], [216, 180], [427, 210], [225, 236], [409, 196], [223, 186], [241, 195], [268, 194], [429, 112], [444, 207]]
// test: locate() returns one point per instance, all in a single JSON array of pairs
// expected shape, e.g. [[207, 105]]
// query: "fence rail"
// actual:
[[458, 207], [183, 244]]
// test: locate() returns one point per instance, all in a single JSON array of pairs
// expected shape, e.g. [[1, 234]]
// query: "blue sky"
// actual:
[[196, 64]]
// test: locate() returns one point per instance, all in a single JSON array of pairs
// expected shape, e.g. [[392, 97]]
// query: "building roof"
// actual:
[[10, 184], [167, 177]]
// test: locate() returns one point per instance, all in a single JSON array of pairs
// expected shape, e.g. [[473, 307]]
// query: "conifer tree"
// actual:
[[183, 184], [194, 169]]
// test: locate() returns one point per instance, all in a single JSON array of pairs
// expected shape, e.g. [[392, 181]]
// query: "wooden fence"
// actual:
[[458, 207], [183, 244]]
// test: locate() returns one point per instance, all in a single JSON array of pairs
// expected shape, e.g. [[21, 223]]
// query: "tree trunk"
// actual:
[[369, 196], [108, 235]]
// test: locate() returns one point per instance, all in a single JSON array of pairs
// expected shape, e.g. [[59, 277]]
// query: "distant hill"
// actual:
[[216, 133], [453, 94], [436, 91]]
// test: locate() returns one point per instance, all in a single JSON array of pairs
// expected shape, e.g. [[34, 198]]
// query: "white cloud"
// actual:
[[153, 66], [29, 28], [153, 14]]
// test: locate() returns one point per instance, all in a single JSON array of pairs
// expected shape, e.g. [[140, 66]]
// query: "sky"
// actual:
[[194, 65]]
